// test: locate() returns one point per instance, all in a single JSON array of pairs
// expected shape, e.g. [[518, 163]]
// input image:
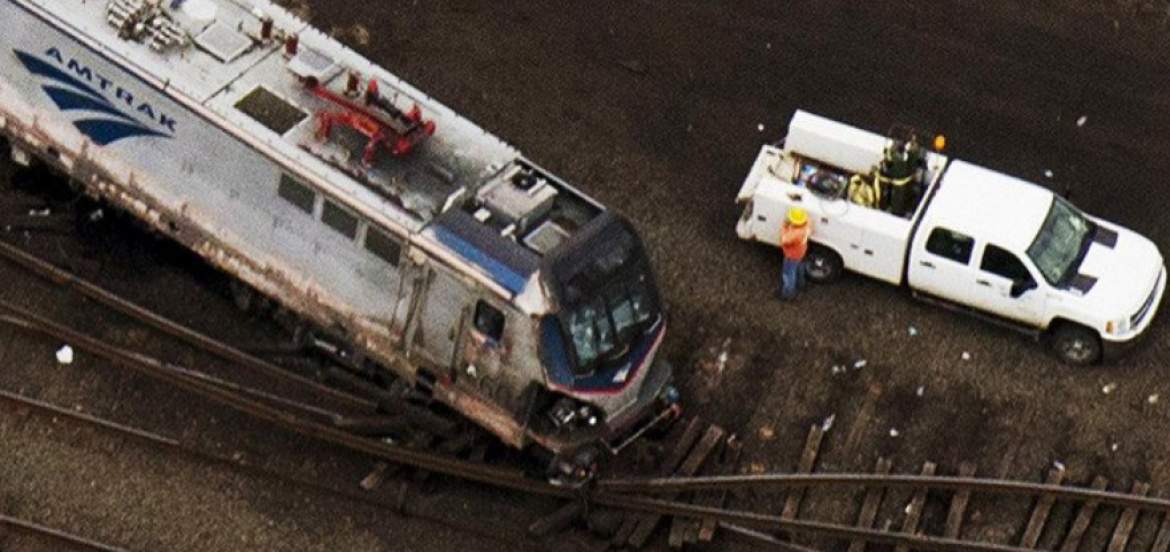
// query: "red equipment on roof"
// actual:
[[380, 121]]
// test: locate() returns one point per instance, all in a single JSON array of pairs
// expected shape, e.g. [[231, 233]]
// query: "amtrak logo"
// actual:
[[76, 87]]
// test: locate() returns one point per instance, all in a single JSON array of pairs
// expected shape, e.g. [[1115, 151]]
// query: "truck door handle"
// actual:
[[927, 264], [983, 282]]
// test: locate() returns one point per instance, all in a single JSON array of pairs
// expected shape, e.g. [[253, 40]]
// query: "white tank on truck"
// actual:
[[956, 234]]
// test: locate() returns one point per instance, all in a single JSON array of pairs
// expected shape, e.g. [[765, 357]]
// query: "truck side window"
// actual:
[[999, 261], [489, 321], [951, 245]]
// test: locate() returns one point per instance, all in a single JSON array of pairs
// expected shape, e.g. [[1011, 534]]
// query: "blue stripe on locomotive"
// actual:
[[506, 264]]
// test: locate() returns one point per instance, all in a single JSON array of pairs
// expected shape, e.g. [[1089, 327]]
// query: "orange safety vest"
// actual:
[[794, 240]]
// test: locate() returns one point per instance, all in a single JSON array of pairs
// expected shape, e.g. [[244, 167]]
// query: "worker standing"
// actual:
[[794, 241]]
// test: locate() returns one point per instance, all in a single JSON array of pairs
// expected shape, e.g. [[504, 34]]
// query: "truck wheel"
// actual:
[[823, 265], [1076, 344]]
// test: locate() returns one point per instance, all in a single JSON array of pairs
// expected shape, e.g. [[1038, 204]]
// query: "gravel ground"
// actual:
[[655, 108]]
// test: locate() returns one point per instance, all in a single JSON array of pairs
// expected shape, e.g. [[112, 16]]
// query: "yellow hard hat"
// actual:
[[797, 216]]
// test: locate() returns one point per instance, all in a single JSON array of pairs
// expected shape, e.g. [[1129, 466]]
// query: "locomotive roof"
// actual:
[[229, 60]]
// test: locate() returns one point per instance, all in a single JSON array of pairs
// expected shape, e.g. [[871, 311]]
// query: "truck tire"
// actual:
[[1076, 344], [823, 265]]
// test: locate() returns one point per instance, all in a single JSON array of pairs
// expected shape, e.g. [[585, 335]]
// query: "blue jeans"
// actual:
[[791, 278]]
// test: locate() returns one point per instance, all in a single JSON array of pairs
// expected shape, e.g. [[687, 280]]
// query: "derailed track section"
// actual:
[[689, 504]]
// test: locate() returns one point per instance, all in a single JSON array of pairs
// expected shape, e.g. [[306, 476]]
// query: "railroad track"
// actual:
[[690, 507], [55, 535]]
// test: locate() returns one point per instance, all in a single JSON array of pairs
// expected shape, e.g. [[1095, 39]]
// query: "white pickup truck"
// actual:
[[958, 234]]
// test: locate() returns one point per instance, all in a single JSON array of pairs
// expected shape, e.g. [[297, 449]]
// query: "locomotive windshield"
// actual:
[[608, 297]]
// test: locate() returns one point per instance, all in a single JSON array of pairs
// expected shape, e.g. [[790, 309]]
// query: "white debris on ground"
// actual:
[[767, 433], [1109, 388], [912, 331], [1048, 173], [837, 369], [828, 423], [65, 355], [1113, 447], [965, 355], [920, 391], [1058, 465], [1152, 399], [40, 212], [894, 432], [760, 127], [1082, 120], [860, 364]]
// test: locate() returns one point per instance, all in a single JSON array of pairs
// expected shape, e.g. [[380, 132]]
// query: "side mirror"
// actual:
[[1019, 287]]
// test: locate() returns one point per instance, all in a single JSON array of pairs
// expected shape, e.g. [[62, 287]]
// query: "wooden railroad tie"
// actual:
[[668, 466], [1162, 542], [808, 458], [869, 507], [1041, 510], [1072, 540], [959, 504], [693, 461], [914, 510], [732, 451], [1128, 518]]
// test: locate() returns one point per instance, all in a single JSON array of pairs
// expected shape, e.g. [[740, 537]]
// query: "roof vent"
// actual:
[[223, 42]]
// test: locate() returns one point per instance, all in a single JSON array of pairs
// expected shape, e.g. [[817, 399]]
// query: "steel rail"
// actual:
[[500, 477], [490, 475], [65, 279], [774, 522], [790, 480], [41, 530], [168, 443]]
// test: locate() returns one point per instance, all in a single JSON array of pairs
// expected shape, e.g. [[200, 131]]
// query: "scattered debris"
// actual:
[[1113, 447], [860, 364], [1152, 399], [766, 433], [920, 391], [828, 423], [1058, 465], [1109, 388], [40, 212], [96, 215], [894, 432], [965, 355], [837, 369], [1048, 173], [65, 355], [768, 45], [756, 467], [1081, 121], [760, 127], [912, 331]]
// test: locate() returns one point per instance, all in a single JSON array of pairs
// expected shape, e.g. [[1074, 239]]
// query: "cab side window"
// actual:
[[489, 321], [950, 244], [1001, 262]]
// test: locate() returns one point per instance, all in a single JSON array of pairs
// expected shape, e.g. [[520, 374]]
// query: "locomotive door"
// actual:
[[441, 320]]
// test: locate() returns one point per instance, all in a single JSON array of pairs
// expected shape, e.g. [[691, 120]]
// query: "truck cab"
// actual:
[[957, 234]]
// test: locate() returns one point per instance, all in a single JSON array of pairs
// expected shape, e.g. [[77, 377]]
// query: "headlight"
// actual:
[[1117, 327], [567, 412]]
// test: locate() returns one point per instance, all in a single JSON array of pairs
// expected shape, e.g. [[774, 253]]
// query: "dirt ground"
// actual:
[[657, 108]]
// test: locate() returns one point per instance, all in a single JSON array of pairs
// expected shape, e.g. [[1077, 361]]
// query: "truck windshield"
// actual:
[[1060, 243]]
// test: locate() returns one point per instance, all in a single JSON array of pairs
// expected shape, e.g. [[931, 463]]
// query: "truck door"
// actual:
[[1006, 287], [942, 266]]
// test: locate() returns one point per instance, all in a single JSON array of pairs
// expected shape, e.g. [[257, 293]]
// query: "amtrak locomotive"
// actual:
[[429, 250]]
